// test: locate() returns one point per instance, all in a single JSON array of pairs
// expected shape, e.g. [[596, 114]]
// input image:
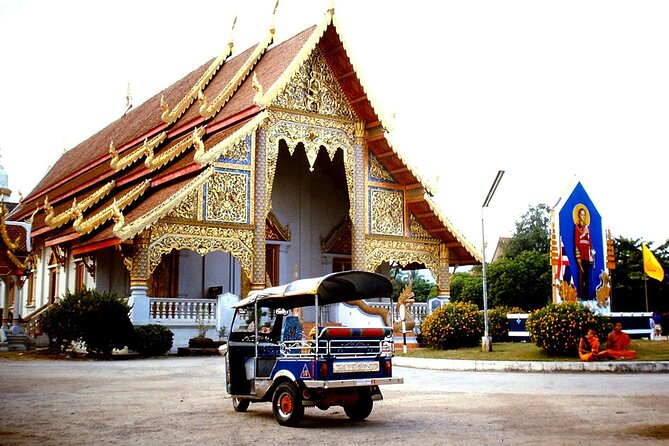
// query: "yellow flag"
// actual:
[[650, 264]]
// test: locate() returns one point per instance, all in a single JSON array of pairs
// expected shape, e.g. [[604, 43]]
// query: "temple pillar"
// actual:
[[260, 214], [4, 329], [138, 266], [444, 277], [5, 304], [16, 320], [358, 199], [17, 339]]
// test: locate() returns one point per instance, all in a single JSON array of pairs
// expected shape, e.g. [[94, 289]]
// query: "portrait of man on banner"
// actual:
[[581, 232], [583, 250]]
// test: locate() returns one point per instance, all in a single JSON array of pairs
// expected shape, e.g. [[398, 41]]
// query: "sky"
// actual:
[[550, 92]]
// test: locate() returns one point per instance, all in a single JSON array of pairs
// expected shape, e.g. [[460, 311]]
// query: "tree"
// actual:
[[627, 279], [423, 289], [532, 232], [523, 281], [468, 287]]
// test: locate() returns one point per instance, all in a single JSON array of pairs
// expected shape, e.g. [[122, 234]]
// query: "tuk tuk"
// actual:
[[272, 354]]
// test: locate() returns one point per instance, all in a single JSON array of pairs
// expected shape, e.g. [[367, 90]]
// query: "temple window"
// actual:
[[53, 278]]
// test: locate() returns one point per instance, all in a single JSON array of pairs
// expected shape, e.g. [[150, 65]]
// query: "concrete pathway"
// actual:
[[620, 366]]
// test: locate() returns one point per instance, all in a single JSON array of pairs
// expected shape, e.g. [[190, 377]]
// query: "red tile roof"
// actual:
[[85, 168]]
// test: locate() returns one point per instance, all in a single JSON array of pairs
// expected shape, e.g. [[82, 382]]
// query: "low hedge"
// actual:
[[152, 340]]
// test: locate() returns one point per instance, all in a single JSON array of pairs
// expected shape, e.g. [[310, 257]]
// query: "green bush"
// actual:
[[152, 340], [557, 328], [498, 323], [454, 325], [99, 320]]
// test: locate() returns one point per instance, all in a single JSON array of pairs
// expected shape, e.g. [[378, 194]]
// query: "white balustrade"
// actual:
[[185, 310], [418, 310]]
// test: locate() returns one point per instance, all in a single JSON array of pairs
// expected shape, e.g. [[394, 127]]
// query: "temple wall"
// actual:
[[197, 274], [111, 274]]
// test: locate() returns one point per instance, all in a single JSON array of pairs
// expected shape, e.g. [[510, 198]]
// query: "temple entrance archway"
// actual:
[[311, 200]]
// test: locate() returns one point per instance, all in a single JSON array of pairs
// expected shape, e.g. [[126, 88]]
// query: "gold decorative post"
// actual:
[[444, 279], [137, 263], [555, 261], [358, 199], [260, 214]]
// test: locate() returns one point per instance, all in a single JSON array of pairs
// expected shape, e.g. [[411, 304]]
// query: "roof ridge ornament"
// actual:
[[170, 116], [207, 109], [264, 100], [85, 226], [12, 245], [203, 156], [119, 163], [153, 162], [55, 221]]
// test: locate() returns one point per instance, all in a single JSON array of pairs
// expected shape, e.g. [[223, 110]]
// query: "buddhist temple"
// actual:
[[254, 169]]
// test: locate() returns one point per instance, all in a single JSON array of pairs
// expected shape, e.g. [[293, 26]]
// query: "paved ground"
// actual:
[[177, 401]]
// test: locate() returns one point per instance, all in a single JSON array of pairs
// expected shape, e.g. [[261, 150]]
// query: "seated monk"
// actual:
[[617, 342], [588, 347]]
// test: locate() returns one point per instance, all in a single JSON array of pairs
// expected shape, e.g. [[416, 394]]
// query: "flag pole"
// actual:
[[645, 288]]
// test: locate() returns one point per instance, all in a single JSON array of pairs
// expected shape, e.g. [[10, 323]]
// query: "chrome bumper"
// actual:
[[323, 384]]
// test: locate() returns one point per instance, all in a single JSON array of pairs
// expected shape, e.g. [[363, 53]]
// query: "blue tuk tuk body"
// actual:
[[271, 358]]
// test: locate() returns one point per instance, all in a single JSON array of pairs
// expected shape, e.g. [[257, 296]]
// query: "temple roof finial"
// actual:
[[272, 27], [231, 42], [128, 99]]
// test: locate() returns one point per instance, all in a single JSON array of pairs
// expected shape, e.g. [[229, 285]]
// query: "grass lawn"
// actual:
[[526, 351]]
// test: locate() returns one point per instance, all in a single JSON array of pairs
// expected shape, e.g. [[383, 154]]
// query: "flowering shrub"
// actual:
[[498, 324], [453, 325], [557, 328]]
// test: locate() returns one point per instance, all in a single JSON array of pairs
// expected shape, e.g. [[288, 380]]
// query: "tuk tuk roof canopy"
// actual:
[[332, 288]]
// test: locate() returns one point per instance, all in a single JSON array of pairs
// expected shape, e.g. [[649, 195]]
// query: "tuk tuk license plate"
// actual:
[[353, 367]]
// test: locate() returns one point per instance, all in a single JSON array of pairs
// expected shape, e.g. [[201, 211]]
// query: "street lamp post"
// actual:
[[486, 342]]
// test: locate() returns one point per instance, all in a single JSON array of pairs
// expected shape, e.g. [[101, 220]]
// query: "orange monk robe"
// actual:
[[616, 346], [588, 349]]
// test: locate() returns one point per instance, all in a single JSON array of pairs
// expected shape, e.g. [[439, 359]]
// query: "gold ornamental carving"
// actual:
[[377, 172], [187, 209], [417, 230], [313, 132], [314, 89], [227, 198], [378, 250], [168, 236], [386, 207], [240, 152], [126, 231]]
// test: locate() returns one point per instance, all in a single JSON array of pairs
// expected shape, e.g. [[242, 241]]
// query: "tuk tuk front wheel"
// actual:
[[240, 404], [287, 404], [362, 408]]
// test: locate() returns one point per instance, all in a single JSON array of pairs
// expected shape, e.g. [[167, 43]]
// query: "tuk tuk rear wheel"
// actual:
[[362, 408], [240, 404], [287, 405]]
